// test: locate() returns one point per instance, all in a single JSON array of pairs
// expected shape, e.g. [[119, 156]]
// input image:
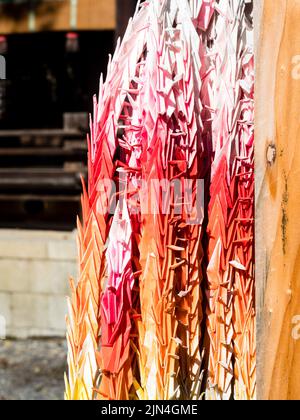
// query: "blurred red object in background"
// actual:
[[72, 42]]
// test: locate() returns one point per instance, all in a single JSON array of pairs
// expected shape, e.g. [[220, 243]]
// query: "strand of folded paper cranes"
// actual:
[[135, 319], [230, 271]]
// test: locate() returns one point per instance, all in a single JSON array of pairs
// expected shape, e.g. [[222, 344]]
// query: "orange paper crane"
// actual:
[[172, 118]]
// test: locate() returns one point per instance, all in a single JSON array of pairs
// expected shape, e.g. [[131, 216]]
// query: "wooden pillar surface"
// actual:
[[278, 197]]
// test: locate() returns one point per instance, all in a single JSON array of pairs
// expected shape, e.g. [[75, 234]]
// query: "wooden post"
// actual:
[[124, 10], [278, 197]]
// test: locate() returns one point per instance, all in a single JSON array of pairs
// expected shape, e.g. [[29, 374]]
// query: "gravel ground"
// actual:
[[32, 369]]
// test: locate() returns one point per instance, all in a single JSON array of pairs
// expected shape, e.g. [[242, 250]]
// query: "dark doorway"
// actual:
[[45, 80], [43, 154]]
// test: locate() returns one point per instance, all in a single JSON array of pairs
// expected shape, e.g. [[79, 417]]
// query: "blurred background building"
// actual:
[[55, 51]]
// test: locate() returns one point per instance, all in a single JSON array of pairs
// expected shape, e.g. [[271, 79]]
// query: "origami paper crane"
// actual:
[[176, 108]]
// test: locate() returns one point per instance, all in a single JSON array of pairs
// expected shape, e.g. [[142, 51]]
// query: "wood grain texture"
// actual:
[[55, 15], [96, 14], [278, 197]]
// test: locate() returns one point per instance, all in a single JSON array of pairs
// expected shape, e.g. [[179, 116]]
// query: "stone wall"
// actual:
[[34, 272]]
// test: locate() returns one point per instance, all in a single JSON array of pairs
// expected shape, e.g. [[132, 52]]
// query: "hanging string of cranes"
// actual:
[[164, 307]]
